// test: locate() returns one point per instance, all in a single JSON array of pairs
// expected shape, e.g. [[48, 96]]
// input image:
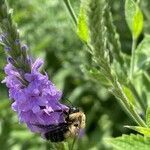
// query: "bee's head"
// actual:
[[73, 110]]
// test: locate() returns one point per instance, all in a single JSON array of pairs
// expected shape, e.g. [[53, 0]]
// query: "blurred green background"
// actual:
[[49, 31]]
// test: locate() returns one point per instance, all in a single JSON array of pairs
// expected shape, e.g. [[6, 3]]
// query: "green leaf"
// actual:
[[129, 95], [146, 87], [113, 36], [142, 55], [148, 116], [96, 75], [98, 31], [146, 82], [119, 71], [142, 130], [134, 18], [137, 23], [130, 142], [82, 27]]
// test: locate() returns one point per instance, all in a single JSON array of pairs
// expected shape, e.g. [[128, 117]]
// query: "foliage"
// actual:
[[86, 71], [131, 142], [134, 17]]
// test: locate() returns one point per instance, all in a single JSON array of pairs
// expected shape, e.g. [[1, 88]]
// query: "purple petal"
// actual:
[[38, 102], [37, 64]]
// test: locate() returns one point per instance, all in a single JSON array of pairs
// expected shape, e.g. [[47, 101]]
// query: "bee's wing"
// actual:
[[51, 127]]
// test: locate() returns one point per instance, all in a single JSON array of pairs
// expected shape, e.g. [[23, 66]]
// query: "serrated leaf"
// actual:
[[146, 81], [134, 18], [130, 142], [142, 54], [95, 74], [99, 76], [148, 116], [142, 130], [129, 95], [113, 36], [119, 70], [82, 27], [98, 31]]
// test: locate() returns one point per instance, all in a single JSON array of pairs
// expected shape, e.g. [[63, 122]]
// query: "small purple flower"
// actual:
[[37, 102]]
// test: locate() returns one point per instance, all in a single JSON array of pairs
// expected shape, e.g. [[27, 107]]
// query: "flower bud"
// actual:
[[17, 41], [24, 47], [3, 37], [10, 60], [7, 48]]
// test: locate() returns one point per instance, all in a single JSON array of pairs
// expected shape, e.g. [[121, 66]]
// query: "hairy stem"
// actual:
[[71, 11], [103, 62], [75, 20], [138, 98], [132, 63], [118, 92]]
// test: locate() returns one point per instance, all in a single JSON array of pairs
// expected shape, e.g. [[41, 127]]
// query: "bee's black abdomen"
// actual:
[[55, 137], [58, 134]]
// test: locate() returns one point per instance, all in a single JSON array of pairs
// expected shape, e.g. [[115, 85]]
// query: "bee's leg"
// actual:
[[66, 115]]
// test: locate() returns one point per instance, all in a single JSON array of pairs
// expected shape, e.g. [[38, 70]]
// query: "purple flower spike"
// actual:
[[36, 103]]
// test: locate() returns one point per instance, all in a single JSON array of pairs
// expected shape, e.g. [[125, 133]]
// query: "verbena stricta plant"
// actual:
[[97, 31], [34, 97]]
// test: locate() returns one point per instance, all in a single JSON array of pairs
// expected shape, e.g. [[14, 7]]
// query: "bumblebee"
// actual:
[[74, 122]]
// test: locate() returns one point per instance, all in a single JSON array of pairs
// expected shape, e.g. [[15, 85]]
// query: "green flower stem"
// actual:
[[71, 11], [132, 63], [98, 38], [118, 92], [75, 20], [73, 143], [2, 44], [12, 39], [141, 102]]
